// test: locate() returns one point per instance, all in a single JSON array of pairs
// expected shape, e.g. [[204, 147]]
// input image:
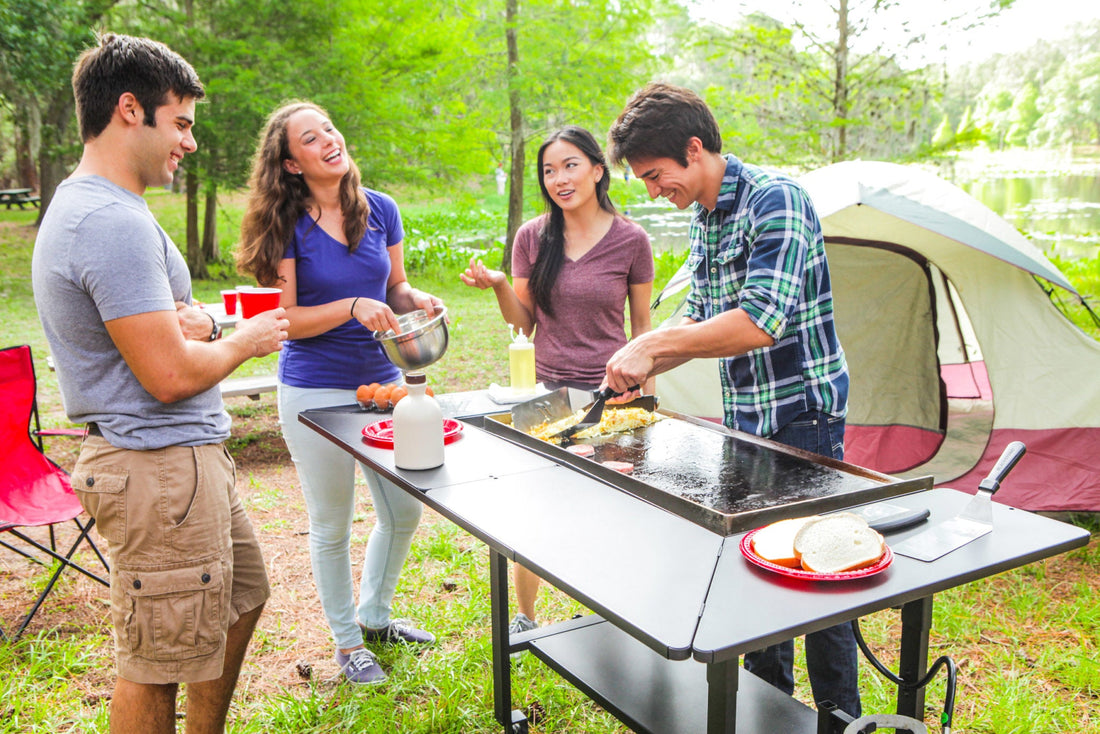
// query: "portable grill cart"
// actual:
[[665, 588]]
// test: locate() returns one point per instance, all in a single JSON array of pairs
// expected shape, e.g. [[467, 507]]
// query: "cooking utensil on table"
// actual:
[[973, 522], [886, 518]]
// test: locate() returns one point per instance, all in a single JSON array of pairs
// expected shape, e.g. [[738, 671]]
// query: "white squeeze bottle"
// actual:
[[417, 427], [521, 363]]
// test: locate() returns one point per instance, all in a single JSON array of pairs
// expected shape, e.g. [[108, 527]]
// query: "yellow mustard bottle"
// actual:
[[521, 363]]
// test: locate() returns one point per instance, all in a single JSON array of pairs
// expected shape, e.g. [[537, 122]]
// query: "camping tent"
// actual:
[[954, 346]]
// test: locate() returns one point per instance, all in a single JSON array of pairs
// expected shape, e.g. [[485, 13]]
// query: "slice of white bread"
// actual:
[[775, 542], [836, 543]]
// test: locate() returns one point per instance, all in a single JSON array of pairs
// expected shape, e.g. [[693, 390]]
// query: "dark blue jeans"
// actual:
[[831, 654]]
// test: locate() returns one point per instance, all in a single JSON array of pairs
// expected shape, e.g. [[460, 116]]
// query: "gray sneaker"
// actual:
[[521, 623], [360, 666], [398, 630]]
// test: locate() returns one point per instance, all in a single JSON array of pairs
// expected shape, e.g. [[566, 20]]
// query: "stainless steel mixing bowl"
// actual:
[[422, 340]]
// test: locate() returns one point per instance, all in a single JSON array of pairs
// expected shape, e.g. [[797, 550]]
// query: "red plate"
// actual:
[[381, 433], [797, 573]]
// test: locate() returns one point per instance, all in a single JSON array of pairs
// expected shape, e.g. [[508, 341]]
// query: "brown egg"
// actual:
[[429, 391], [398, 392], [365, 393], [382, 397]]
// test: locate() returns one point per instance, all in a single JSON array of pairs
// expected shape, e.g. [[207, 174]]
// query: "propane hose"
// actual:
[[945, 660]]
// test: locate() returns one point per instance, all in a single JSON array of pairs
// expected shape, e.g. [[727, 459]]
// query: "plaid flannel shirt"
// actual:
[[761, 250]]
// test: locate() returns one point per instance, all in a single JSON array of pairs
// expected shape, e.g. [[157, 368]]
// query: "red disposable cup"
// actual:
[[258, 300], [229, 298]]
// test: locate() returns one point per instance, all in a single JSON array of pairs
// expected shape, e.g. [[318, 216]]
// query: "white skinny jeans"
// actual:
[[327, 475]]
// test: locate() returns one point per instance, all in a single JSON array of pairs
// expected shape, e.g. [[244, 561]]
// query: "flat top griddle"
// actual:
[[726, 481]]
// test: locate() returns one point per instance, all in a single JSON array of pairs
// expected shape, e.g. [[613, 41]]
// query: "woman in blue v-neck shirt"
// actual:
[[335, 250]]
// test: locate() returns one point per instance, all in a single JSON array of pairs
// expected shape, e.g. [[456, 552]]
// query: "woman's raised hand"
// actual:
[[479, 276]]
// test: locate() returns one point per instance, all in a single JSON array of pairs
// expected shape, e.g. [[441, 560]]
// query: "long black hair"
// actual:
[[552, 235]]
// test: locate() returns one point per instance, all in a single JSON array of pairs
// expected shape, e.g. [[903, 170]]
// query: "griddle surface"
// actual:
[[719, 471], [725, 481]]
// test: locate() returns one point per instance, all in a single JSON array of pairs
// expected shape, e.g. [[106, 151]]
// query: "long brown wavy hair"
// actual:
[[278, 198]]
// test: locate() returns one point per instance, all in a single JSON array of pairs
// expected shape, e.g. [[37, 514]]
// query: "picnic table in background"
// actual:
[[22, 197]]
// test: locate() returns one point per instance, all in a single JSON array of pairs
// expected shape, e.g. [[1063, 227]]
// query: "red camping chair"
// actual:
[[34, 491]]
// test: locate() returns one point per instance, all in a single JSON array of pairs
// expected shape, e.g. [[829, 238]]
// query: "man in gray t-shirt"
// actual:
[[101, 256], [141, 367]]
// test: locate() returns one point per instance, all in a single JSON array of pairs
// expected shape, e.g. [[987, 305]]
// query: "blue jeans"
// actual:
[[831, 654], [327, 474]]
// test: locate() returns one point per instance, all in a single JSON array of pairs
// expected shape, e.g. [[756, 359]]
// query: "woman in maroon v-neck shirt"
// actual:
[[577, 271]]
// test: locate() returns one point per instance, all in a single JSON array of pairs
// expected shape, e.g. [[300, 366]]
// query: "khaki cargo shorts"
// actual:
[[185, 563]]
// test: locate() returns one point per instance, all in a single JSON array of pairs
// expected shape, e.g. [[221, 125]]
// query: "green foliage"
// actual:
[[1085, 276], [995, 106], [1051, 88], [396, 77], [400, 92], [762, 104], [39, 41], [580, 61], [944, 135], [790, 95], [1024, 115], [966, 125], [251, 55], [438, 242], [1071, 101], [1037, 634]]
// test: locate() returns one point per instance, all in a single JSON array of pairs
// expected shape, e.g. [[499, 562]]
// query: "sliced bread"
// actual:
[[775, 542], [836, 543]]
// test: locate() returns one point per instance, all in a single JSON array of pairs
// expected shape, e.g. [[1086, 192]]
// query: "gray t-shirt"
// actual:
[[100, 255]]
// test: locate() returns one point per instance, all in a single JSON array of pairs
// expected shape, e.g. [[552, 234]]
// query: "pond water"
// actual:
[[1059, 213], [666, 225]]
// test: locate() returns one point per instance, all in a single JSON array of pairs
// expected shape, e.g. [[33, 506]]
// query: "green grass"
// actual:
[[1026, 641], [1085, 277]]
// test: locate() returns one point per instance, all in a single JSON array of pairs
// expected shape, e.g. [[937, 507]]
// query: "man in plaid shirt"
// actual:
[[761, 302]]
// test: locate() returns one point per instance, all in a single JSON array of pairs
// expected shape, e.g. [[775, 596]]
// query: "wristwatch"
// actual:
[[216, 332]]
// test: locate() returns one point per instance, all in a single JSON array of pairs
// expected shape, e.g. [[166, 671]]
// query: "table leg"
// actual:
[[916, 624], [514, 722], [722, 697]]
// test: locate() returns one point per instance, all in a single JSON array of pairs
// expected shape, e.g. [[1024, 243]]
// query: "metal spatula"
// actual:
[[547, 408], [973, 522], [595, 411]]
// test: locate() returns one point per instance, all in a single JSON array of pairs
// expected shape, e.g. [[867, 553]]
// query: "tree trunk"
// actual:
[[195, 261], [515, 179], [840, 84], [28, 141], [52, 169], [210, 224]]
